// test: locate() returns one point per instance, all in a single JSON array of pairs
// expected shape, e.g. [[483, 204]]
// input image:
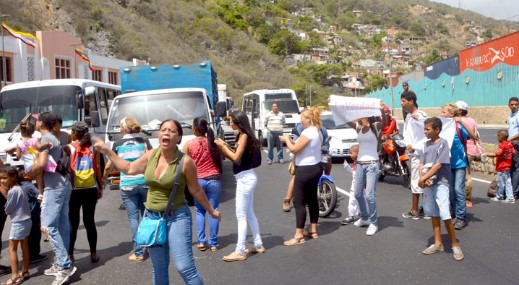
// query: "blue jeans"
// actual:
[[457, 193], [245, 183], [366, 178], [212, 189], [504, 186], [273, 141], [178, 246], [134, 203], [55, 221]]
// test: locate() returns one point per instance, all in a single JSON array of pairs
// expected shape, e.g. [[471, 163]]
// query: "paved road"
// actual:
[[341, 255]]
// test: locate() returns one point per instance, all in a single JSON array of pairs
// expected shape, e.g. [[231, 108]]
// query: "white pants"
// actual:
[[245, 183]]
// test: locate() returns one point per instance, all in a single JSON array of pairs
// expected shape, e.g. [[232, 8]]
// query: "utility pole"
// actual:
[[4, 61], [390, 77]]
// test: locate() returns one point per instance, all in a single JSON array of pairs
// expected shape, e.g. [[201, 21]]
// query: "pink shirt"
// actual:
[[471, 146], [199, 151]]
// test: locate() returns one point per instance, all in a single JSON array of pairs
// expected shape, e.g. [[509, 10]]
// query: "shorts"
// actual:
[[415, 175], [20, 230], [436, 202]]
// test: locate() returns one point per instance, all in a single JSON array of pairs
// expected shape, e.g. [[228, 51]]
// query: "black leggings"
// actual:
[[86, 199], [305, 192]]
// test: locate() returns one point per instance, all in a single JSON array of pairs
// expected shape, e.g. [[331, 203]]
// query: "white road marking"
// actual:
[[347, 193], [481, 180]]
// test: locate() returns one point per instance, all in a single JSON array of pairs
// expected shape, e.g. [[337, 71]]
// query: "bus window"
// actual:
[[103, 104], [90, 106]]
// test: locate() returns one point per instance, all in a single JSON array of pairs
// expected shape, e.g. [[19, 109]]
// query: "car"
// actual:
[[343, 137]]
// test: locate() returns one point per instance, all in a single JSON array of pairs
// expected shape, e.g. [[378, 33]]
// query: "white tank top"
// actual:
[[367, 146]]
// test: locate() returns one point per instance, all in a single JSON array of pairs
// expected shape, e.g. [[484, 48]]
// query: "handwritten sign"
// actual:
[[348, 109]]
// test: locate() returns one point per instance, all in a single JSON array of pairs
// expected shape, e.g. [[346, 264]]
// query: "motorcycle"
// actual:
[[326, 191], [394, 161]]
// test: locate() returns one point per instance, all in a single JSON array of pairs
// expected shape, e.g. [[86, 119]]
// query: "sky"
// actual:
[[497, 9]]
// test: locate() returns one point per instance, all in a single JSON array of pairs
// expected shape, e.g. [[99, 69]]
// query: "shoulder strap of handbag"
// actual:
[[176, 184]]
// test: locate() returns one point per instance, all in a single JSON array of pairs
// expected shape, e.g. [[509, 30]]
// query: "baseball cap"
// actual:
[[47, 118], [462, 105], [405, 83], [80, 127]]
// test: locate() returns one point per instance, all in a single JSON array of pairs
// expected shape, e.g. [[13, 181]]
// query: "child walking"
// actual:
[[353, 205], [504, 155], [28, 150], [436, 193], [17, 207]]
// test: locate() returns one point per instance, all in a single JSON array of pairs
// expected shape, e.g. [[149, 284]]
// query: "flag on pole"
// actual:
[[85, 58], [24, 37]]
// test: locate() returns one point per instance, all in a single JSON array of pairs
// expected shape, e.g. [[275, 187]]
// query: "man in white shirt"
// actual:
[[414, 137], [274, 122]]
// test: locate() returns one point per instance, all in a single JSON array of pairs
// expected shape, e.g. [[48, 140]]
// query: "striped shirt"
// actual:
[[130, 148], [274, 122]]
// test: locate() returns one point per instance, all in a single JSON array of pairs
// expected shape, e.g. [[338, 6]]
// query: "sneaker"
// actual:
[[63, 276], [495, 199], [254, 249], [269, 162], [457, 253], [52, 271], [508, 201], [281, 161], [410, 215], [362, 223], [347, 221], [37, 258], [433, 249], [460, 224], [372, 229]]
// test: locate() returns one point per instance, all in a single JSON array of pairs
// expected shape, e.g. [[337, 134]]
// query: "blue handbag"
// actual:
[[154, 231]]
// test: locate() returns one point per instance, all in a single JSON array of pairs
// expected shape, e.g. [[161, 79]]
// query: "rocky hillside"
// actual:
[[238, 36]]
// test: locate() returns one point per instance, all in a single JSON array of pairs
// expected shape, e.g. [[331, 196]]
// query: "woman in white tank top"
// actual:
[[367, 172]]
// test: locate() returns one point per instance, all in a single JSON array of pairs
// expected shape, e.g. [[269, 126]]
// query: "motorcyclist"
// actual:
[[392, 127]]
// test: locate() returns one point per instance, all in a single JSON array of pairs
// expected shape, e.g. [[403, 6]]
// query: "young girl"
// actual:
[[28, 150], [17, 207], [246, 181], [208, 161]]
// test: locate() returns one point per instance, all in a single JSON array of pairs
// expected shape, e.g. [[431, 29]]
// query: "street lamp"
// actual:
[[4, 62]]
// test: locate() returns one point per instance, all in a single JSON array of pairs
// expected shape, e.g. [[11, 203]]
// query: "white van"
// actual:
[[258, 103]]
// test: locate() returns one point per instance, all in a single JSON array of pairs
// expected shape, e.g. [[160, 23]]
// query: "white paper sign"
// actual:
[[348, 109]]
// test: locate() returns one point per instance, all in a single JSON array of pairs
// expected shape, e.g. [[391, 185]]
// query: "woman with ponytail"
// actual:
[[133, 188], [204, 152]]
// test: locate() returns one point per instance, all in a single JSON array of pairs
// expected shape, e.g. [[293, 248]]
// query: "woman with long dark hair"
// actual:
[[246, 180], [159, 167], [203, 150], [84, 196]]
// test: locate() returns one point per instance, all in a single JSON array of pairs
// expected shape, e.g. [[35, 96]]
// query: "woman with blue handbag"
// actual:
[[160, 167]]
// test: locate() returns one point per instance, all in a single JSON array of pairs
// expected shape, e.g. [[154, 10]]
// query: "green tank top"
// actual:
[[160, 189]]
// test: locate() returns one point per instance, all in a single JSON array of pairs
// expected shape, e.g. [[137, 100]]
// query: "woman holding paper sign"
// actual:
[[366, 176]]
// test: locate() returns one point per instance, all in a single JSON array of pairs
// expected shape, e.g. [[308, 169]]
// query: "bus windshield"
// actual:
[[285, 106], [151, 110], [15, 104]]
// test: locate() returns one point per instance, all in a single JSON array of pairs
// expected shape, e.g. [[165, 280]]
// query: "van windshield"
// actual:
[[285, 106], [329, 124], [15, 104], [152, 109]]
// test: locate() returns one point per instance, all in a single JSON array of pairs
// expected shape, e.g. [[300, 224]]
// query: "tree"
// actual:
[[284, 43], [433, 57], [487, 34], [418, 29]]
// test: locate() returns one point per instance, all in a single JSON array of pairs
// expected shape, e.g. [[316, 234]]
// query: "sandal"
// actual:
[[309, 234], [16, 281], [214, 248], [25, 275], [202, 247], [295, 241], [136, 258], [235, 256]]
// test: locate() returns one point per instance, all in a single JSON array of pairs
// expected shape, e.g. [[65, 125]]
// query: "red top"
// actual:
[[504, 154], [390, 128], [199, 151]]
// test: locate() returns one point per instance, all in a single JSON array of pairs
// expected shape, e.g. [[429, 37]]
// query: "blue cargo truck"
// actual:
[[152, 94]]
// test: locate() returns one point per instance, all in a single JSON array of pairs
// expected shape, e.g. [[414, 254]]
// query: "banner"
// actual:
[[349, 109], [448, 131]]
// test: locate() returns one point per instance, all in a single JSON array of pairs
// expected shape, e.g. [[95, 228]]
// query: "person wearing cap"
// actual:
[[55, 202], [84, 197], [472, 151], [405, 86], [392, 127]]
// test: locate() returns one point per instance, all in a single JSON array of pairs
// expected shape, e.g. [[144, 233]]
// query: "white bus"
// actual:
[[258, 103], [72, 99]]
